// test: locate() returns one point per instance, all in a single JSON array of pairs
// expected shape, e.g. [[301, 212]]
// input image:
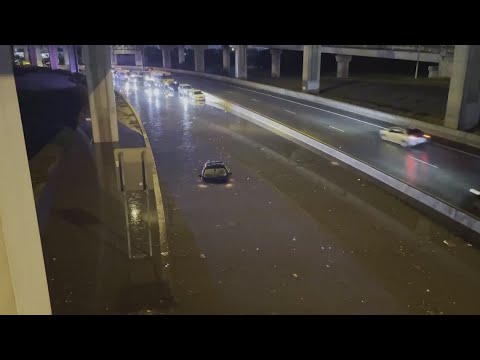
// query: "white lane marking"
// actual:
[[255, 100], [414, 158], [458, 150], [476, 192], [313, 107], [333, 127], [291, 112]]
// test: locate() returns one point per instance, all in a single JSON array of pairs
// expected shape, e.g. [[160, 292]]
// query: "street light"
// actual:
[[418, 58]]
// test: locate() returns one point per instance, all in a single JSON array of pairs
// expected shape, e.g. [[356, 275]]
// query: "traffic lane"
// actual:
[[442, 142], [451, 183], [301, 108], [257, 219], [447, 180], [376, 239]]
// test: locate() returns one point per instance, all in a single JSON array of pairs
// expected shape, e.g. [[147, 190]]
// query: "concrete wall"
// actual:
[[23, 281]]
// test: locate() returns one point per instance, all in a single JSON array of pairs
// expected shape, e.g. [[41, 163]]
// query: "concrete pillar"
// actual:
[[66, 55], [53, 53], [433, 71], [276, 57], [198, 51], [26, 53], [181, 54], [72, 58], [101, 96], [311, 68], [33, 55], [113, 55], [463, 105], [23, 281], [241, 61], [139, 57], [445, 66], [343, 64], [38, 51], [226, 58], [167, 58]]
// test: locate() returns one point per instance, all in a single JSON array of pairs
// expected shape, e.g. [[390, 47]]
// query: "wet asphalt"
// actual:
[[293, 232]]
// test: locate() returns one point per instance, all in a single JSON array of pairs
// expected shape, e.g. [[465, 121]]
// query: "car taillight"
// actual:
[[426, 136]]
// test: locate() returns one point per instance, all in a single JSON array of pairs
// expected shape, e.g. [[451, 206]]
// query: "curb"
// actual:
[[156, 187]]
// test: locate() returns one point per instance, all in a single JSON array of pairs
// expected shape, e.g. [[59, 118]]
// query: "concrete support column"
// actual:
[[226, 58], [445, 66], [463, 105], [26, 53], [167, 58], [181, 54], [343, 64], [101, 96], [198, 51], [276, 58], [53, 53], [72, 58], [23, 281], [38, 51], [433, 71], [311, 68], [66, 55], [33, 55], [139, 57], [241, 61], [113, 55]]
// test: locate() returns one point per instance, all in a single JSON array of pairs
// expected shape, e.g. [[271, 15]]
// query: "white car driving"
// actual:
[[404, 136], [184, 89]]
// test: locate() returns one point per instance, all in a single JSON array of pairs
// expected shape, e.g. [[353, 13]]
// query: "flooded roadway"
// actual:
[[292, 232]]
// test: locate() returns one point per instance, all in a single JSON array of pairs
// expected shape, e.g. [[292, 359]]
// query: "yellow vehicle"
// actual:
[[167, 80], [197, 96], [22, 62]]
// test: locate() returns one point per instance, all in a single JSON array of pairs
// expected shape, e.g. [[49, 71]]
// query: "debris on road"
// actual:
[[449, 244]]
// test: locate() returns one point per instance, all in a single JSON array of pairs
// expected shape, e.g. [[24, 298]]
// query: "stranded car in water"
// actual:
[[215, 171]]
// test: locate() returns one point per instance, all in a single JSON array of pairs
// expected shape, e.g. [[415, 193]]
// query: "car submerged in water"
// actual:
[[215, 171]]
